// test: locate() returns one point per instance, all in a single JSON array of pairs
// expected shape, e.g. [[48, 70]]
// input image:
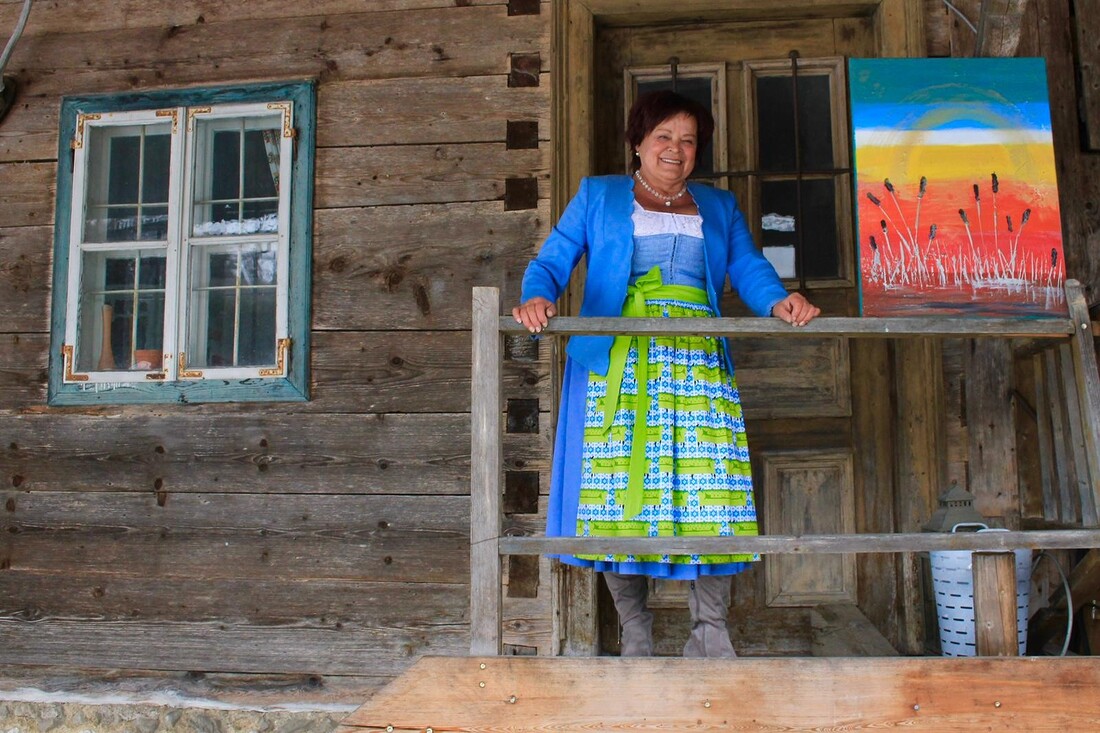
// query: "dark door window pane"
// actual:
[[775, 123], [779, 208]]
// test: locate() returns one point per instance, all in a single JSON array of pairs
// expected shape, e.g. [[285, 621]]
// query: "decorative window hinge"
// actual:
[[81, 120], [184, 374], [281, 351], [70, 375]]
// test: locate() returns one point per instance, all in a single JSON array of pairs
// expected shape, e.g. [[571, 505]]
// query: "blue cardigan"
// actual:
[[597, 223]]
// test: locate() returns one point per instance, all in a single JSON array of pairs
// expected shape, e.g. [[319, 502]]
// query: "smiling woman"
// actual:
[[651, 438]]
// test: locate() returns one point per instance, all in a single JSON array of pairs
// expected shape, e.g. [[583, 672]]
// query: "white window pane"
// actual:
[[120, 324], [236, 176], [127, 183], [233, 307]]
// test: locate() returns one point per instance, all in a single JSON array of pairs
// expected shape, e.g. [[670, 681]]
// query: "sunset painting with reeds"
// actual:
[[957, 199]]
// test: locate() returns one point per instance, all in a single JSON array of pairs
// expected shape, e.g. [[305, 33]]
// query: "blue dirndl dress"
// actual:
[[687, 471]]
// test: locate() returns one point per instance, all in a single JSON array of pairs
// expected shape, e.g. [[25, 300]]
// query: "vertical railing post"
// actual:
[[485, 471], [1088, 393]]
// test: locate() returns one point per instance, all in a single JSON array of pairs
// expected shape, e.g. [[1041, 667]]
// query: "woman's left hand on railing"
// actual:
[[795, 310], [535, 314]]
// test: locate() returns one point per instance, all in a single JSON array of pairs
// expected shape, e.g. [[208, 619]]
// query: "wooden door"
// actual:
[[768, 84]]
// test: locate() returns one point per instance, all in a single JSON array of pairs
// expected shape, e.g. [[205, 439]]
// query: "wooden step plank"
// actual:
[[841, 630], [662, 694]]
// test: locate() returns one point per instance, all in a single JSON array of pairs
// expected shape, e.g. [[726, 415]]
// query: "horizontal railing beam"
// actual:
[[809, 544], [773, 327]]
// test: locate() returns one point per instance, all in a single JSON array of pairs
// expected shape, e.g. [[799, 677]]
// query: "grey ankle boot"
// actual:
[[630, 593], [709, 603]]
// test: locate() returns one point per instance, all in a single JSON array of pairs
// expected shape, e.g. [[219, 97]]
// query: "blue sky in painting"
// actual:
[[968, 93]]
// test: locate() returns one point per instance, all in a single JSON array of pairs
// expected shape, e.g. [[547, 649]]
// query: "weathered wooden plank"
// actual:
[[180, 451], [808, 378], [408, 371], [342, 515], [30, 129], [399, 557], [1028, 437], [1087, 26], [486, 460], [874, 501], [317, 603], [352, 371], [937, 28], [314, 603], [894, 328], [1000, 26], [453, 41], [64, 15], [377, 112], [1045, 440], [842, 631], [222, 647], [1066, 469], [965, 15], [27, 192], [431, 110], [23, 362], [1087, 381], [25, 257], [995, 604], [991, 429], [413, 174], [1077, 418], [576, 632], [412, 267], [919, 454], [943, 695], [901, 542]]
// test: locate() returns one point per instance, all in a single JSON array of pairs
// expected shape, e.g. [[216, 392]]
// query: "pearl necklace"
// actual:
[[653, 192]]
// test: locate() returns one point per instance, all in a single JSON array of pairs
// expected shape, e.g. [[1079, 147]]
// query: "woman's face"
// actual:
[[667, 153]]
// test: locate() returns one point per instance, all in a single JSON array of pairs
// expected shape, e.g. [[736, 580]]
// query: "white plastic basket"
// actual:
[[953, 583]]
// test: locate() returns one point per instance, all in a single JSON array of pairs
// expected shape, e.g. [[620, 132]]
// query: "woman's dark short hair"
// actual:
[[653, 108]]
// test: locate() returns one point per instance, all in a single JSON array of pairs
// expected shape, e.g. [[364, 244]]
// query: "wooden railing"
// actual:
[[487, 545]]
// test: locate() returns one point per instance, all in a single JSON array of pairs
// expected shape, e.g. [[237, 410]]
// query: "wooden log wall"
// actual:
[[328, 538]]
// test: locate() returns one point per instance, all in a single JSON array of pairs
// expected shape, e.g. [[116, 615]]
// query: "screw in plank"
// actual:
[[706, 703], [512, 700]]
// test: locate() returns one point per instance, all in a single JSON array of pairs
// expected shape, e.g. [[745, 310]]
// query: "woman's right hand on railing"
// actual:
[[534, 314]]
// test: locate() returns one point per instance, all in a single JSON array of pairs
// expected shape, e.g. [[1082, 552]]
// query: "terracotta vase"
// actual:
[[106, 355], [147, 359]]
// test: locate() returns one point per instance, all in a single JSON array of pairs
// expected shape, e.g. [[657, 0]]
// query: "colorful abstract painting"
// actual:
[[957, 198]]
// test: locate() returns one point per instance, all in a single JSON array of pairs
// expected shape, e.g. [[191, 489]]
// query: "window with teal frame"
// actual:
[[183, 246]]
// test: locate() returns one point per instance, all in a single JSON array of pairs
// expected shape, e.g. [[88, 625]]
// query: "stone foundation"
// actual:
[[119, 717]]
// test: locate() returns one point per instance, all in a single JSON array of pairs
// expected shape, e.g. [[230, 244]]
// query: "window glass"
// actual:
[[776, 128], [233, 305], [121, 316], [127, 192], [237, 176], [779, 208]]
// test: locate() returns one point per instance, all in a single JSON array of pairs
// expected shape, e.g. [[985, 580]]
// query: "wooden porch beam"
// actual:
[[808, 544], [664, 694]]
